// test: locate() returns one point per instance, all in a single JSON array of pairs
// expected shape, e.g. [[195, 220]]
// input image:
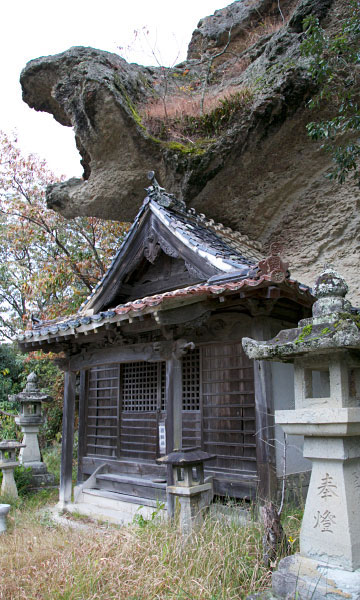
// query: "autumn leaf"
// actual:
[[48, 264]]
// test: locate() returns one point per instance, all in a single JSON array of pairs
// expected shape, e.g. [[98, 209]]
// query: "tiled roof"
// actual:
[[79, 324], [212, 237], [226, 249], [236, 258]]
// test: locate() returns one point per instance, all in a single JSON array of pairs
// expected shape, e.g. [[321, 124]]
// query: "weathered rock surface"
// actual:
[[258, 173], [94, 92]]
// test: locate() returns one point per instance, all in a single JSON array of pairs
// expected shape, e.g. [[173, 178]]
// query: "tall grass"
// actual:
[[43, 561]]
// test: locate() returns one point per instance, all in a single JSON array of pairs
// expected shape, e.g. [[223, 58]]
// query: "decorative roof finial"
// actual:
[[161, 196], [273, 266], [155, 187]]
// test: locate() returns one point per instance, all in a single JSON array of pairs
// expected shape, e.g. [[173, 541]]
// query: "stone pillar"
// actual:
[[325, 353], [331, 426], [31, 453], [188, 486], [8, 463]]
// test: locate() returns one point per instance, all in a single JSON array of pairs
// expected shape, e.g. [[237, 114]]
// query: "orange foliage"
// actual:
[[48, 264]]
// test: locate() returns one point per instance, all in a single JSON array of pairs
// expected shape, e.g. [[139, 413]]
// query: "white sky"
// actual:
[[41, 27]]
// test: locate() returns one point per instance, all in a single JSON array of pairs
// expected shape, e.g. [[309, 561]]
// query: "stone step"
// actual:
[[147, 469], [95, 496], [132, 486], [127, 478]]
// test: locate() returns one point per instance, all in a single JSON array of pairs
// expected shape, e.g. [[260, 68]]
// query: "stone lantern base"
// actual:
[[40, 478], [304, 579], [193, 501]]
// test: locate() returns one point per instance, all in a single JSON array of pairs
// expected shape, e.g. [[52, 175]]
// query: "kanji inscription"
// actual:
[[356, 480], [324, 521], [327, 487]]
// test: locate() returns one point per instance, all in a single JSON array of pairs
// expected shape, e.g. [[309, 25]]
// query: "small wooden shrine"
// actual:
[[157, 349]]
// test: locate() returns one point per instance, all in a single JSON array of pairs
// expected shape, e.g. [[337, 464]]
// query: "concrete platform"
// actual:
[[114, 508]]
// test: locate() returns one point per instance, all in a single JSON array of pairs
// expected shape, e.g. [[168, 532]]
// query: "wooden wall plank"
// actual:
[[228, 408], [121, 354]]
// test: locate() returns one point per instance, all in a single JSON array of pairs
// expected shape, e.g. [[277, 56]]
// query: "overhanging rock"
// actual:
[[258, 173], [95, 92], [104, 99]]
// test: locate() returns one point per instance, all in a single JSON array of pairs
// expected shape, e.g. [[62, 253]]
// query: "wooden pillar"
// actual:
[[264, 415], [67, 439], [173, 416], [174, 404], [82, 422]]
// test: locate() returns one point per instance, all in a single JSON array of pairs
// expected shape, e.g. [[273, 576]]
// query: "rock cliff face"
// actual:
[[246, 161]]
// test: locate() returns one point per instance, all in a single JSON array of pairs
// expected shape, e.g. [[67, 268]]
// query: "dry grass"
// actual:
[[269, 25], [184, 121], [41, 561], [176, 106], [179, 105], [167, 117]]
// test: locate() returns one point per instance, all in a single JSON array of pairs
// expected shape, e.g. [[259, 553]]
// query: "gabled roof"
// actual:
[[208, 248], [225, 263]]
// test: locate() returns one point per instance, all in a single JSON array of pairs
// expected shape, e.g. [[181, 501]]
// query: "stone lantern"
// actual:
[[30, 419], [325, 350], [189, 486], [8, 462]]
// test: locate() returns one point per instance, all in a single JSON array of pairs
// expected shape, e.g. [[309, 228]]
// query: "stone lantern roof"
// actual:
[[31, 393], [185, 456], [334, 325], [10, 445]]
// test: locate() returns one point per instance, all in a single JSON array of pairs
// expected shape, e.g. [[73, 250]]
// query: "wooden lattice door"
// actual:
[[142, 391]]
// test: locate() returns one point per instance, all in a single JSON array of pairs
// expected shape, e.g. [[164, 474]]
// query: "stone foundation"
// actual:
[[305, 579], [40, 478]]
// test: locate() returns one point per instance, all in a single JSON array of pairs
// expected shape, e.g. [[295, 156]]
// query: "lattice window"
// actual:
[[191, 380], [142, 388]]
